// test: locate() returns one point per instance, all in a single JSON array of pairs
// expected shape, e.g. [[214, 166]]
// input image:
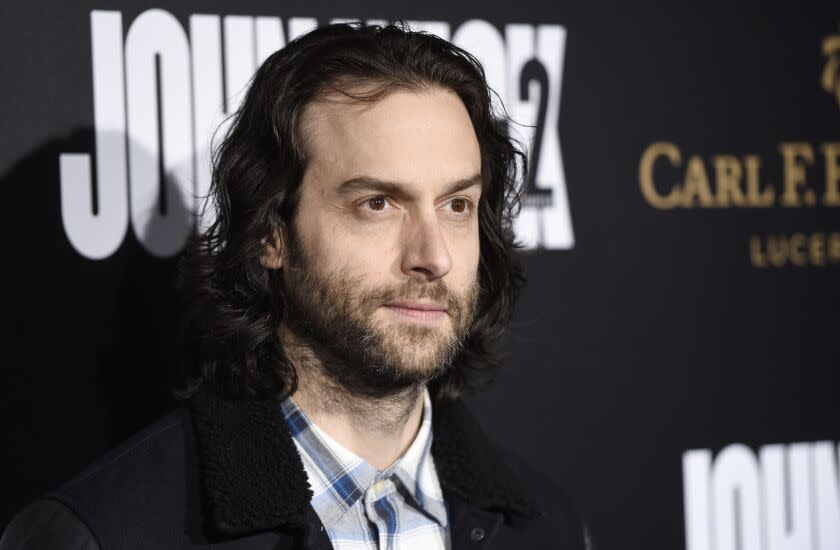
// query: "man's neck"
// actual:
[[377, 429]]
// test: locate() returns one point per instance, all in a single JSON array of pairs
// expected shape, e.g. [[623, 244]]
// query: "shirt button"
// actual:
[[477, 534]]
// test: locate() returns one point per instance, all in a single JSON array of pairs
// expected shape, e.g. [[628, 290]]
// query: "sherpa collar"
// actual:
[[253, 477]]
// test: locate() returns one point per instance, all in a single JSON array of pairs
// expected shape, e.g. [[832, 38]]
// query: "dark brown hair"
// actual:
[[234, 305]]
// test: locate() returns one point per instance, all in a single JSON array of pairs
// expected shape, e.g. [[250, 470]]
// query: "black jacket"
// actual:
[[226, 475]]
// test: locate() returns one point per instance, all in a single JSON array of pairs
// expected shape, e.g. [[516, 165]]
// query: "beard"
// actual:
[[334, 315]]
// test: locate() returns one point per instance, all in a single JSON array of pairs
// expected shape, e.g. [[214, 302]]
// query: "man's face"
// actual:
[[385, 275]]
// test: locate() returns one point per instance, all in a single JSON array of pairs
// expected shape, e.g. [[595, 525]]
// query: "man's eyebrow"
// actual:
[[367, 183], [466, 183]]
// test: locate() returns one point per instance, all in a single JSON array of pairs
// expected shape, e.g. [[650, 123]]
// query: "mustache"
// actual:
[[461, 306], [413, 289]]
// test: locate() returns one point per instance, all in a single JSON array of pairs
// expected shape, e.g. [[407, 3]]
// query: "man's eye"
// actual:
[[460, 206], [376, 204]]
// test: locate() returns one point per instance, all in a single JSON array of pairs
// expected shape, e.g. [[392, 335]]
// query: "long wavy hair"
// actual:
[[233, 304]]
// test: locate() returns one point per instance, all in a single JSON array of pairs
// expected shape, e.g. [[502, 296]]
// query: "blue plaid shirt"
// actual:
[[362, 508]]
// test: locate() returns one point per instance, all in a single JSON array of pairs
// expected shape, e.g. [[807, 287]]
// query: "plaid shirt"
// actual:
[[362, 508]]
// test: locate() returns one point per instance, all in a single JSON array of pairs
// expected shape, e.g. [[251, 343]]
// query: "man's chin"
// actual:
[[424, 362], [421, 354]]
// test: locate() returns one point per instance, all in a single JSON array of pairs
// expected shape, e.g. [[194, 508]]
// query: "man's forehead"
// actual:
[[336, 112], [404, 139], [328, 119], [333, 105]]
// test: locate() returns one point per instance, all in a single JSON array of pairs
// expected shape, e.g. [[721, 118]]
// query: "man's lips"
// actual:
[[418, 310]]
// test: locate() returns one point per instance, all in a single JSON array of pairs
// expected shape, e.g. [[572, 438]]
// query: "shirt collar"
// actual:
[[339, 478]]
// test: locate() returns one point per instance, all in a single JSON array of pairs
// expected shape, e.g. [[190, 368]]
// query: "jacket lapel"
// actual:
[[469, 465], [253, 478]]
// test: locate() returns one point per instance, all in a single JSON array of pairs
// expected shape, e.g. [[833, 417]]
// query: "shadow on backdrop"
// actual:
[[94, 348]]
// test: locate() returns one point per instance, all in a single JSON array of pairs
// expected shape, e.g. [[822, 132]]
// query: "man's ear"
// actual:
[[273, 251]]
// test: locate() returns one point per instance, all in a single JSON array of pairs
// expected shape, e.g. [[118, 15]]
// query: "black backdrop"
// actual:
[[665, 320]]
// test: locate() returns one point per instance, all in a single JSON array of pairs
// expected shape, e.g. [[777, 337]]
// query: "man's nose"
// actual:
[[424, 251]]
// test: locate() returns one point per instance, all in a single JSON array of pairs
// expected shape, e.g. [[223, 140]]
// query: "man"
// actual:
[[355, 283]]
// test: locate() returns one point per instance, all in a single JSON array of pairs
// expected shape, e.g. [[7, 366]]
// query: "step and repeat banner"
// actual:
[[674, 359]]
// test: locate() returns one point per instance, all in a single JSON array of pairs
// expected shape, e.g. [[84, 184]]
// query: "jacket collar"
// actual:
[[253, 478]]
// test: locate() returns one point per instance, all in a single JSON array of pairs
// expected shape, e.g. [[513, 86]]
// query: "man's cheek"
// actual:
[[369, 261]]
